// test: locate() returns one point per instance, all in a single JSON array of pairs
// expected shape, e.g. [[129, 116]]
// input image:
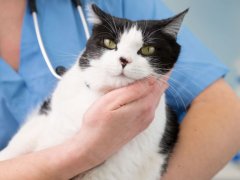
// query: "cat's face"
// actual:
[[121, 51]]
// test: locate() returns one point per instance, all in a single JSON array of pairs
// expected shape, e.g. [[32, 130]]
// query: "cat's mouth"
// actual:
[[123, 76]]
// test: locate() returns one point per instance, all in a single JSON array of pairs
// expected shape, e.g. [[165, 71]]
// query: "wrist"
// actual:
[[72, 158]]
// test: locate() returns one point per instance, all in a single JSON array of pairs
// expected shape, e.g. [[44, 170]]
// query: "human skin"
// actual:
[[11, 17], [209, 134], [121, 115]]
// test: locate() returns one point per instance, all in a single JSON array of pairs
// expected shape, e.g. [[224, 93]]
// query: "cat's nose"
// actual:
[[124, 61]]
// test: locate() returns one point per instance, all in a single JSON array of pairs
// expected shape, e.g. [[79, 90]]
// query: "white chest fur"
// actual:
[[130, 56], [138, 160]]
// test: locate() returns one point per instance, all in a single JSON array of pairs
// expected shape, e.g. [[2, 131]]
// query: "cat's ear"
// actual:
[[96, 15], [173, 24]]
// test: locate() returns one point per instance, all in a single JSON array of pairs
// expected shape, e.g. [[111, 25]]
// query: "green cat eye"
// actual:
[[110, 44], [147, 50]]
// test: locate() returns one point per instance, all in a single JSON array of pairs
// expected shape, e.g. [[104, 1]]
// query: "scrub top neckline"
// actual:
[[7, 73]]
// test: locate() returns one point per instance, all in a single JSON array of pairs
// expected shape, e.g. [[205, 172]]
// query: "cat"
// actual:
[[118, 53]]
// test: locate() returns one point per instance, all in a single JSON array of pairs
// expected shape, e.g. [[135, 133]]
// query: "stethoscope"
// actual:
[[33, 9]]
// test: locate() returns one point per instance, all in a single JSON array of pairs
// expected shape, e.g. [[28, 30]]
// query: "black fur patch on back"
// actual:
[[45, 107], [170, 136]]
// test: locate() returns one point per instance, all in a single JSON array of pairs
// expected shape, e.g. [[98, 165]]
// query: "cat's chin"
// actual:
[[110, 83]]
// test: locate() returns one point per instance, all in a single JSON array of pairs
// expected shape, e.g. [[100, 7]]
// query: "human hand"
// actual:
[[117, 117]]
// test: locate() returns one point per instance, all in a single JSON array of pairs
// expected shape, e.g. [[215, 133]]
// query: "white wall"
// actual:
[[217, 24]]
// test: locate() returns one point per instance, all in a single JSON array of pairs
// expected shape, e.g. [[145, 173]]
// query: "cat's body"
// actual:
[[146, 155]]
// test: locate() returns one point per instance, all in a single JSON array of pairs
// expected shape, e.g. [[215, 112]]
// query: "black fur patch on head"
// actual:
[[45, 107], [170, 136], [167, 49], [158, 33], [110, 27]]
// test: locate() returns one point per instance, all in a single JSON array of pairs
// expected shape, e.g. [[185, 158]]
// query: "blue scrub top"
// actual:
[[64, 38]]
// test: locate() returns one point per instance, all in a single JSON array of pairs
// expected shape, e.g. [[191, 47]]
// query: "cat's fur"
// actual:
[[99, 70]]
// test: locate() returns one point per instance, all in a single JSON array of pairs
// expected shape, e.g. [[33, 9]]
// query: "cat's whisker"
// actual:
[[110, 24], [170, 91], [176, 94], [182, 73], [166, 77], [60, 53], [110, 29], [177, 70], [145, 28], [153, 32], [178, 83], [140, 71], [106, 33], [114, 24]]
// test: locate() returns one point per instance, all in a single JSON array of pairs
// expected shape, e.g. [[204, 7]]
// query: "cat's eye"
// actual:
[[110, 44], [147, 50]]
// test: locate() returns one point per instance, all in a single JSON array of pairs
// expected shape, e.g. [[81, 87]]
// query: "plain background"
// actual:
[[217, 24]]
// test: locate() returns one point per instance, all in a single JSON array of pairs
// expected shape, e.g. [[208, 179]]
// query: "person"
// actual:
[[210, 124]]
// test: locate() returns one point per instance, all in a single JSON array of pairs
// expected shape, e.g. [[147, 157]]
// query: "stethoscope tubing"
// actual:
[[33, 9]]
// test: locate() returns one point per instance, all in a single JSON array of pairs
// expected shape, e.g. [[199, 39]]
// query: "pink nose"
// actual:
[[123, 61]]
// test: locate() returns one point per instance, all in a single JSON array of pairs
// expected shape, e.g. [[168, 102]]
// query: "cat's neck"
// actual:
[[73, 88]]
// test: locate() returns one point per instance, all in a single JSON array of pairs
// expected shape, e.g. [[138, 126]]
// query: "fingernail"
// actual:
[[151, 81], [163, 85]]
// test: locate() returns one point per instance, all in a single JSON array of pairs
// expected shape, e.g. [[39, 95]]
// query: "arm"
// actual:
[[52, 163], [209, 134], [110, 123]]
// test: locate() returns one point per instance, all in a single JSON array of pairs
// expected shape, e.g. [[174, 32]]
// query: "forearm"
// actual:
[[99, 137], [59, 162], [209, 135]]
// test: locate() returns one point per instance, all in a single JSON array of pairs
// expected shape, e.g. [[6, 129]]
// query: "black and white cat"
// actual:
[[118, 53]]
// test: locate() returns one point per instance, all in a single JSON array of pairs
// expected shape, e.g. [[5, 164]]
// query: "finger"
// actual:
[[145, 104], [165, 77], [158, 91], [169, 74], [119, 97], [128, 94]]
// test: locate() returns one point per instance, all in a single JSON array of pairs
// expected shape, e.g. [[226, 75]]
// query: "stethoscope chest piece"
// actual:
[[60, 70]]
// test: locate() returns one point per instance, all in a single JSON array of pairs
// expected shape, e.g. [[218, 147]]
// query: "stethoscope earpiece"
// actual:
[[33, 10]]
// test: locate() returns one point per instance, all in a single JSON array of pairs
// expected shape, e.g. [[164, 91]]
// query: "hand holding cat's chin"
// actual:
[[117, 117], [108, 82]]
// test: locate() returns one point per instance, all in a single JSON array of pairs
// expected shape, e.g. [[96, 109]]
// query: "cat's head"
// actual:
[[121, 51]]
